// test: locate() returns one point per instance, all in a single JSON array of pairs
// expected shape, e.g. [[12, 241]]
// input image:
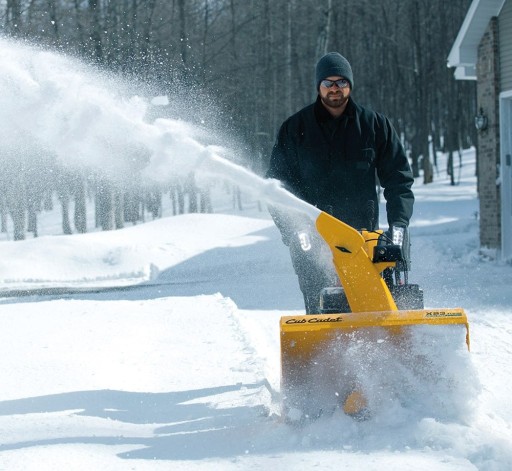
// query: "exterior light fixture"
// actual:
[[481, 120]]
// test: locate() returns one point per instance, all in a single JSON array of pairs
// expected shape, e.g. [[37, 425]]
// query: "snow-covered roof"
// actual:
[[463, 54]]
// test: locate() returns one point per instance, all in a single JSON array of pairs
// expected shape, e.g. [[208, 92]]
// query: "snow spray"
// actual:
[[54, 104]]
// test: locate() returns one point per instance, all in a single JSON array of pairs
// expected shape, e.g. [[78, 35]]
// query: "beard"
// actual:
[[334, 99]]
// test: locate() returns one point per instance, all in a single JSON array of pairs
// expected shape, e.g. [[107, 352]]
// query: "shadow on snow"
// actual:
[[182, 431]]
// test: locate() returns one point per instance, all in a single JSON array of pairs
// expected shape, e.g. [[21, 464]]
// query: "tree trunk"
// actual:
[[205, 201], [237, 198], [183, 36], [52, 12], [105, 205], [322, 41], [95, 31], [192, 191], [118, 208], [18, 221], [80, 216], [3, 213], [66, 225], [13, 17], [32, 220], [288, 74]]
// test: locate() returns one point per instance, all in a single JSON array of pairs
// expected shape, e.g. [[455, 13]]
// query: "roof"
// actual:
[[464, 52]]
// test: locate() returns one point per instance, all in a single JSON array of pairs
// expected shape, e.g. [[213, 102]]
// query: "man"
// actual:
[[329, 154]]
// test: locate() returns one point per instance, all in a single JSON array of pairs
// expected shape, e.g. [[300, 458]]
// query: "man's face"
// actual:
[[334, 96]]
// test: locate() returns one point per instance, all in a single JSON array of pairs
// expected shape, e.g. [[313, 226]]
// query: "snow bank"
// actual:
[[124, 257]]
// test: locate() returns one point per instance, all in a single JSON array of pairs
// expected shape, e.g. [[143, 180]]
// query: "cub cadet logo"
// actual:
[[442, 314], [314, 320]]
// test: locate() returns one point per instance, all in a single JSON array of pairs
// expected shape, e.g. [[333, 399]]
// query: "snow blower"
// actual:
[[375, 305]]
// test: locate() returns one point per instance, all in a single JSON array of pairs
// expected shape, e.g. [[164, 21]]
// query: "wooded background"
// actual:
[[255, 60]]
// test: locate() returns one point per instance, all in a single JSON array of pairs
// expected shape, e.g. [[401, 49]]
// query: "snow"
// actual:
[[176, 363], [156, 346]]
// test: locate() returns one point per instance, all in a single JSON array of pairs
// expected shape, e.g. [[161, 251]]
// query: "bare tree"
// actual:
[[95, 30], [13, 17], [250, 64]]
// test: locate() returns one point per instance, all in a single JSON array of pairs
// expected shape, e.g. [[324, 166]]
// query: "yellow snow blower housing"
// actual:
[[373, 316]]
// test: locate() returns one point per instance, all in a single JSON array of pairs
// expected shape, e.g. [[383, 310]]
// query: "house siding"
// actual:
[[488, 153], [505, 37]]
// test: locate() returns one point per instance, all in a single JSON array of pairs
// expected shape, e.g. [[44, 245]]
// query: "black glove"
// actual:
[[400, 236], [396, 239]]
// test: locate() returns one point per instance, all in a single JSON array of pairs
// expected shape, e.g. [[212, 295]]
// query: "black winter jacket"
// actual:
[[332, 164]]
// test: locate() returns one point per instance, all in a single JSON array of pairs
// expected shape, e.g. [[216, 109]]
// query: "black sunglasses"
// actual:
[[341, 83]]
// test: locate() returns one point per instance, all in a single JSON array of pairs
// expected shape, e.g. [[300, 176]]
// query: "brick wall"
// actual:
[[488, 149]]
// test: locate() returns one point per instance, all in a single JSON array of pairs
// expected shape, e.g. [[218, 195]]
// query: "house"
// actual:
[[482, 51]]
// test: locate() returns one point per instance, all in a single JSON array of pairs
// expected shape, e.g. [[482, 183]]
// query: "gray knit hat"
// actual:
[[333, 64]]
